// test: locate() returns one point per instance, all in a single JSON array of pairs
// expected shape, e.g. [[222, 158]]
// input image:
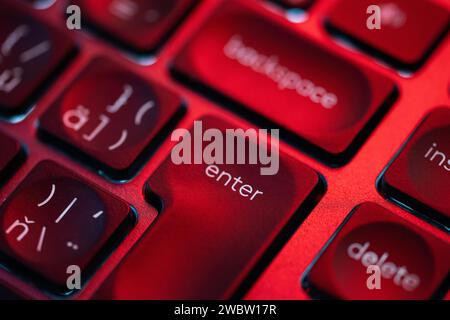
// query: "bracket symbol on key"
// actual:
[[24, 225], [77, 118], [137, 121], [68, 207]]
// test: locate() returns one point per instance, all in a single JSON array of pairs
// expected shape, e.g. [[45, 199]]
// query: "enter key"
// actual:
[[217, 223]]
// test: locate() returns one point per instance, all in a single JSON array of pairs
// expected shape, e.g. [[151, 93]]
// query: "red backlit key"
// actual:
[[110, 114], [216, 222], [301, 87], [10, 149], [413, 264], [409, 29], [420, 175], [139, 24], [54, 220], [29, 51]]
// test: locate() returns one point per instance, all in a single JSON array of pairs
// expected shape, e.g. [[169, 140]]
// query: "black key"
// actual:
[[295, 3], [10, 150], [30, 51], [110, 114], [6, 294], [139, 24], [54, 220]]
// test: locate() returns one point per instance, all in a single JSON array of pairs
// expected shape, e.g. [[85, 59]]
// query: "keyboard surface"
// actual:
[[85, 123]]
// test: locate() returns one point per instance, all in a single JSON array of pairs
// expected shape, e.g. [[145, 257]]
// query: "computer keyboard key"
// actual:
[[408, 29], [296, 3], [410, 262], [419, 175], [8, 295], [30, 51], [139, 24], [215, 224], [284, 77], [10, 150], [54, 220], [110, 114]]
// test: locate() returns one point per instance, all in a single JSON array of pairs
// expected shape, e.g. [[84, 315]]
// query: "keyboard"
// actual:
[[94, 95]]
